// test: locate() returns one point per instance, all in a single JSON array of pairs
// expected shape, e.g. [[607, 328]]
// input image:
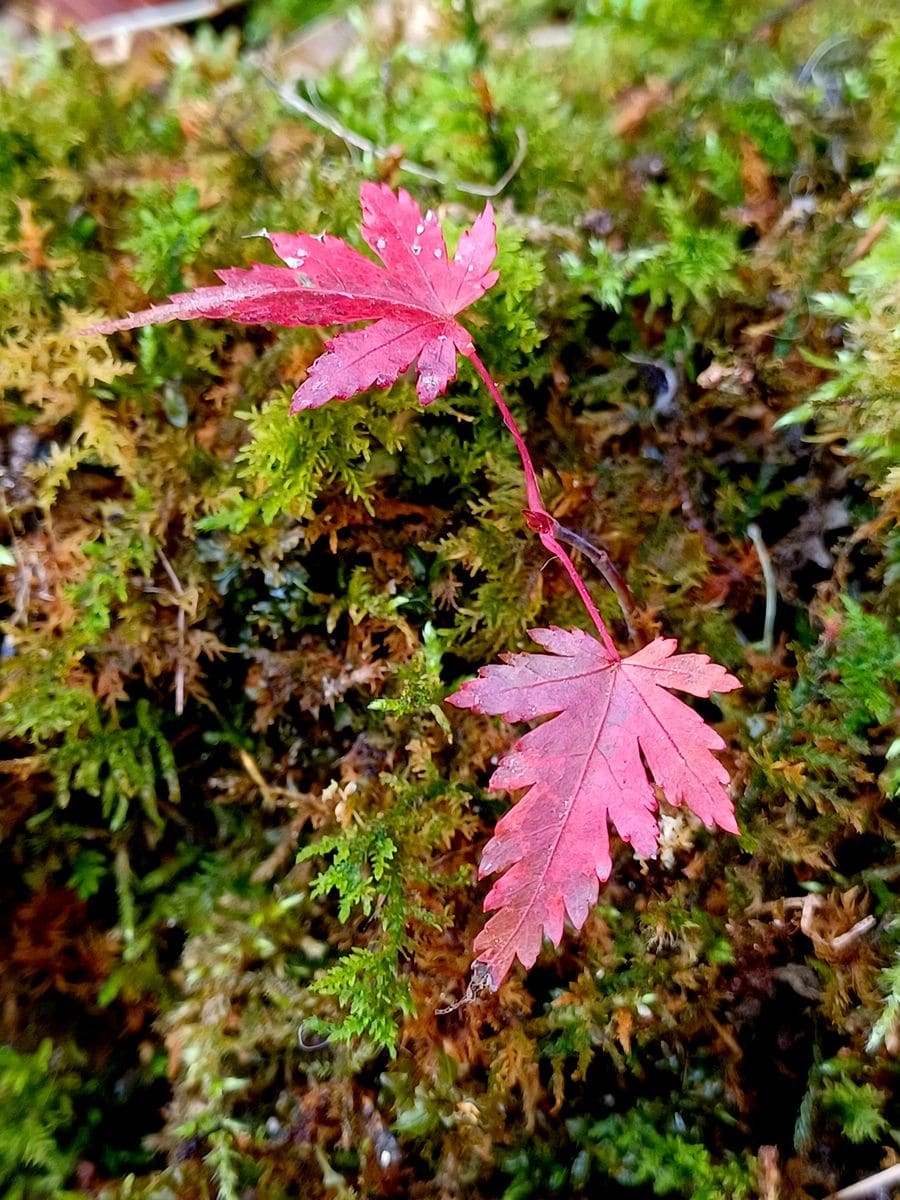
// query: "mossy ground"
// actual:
[[235, 890]]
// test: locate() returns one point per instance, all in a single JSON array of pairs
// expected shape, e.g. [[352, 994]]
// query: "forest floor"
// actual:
[[239, 828]]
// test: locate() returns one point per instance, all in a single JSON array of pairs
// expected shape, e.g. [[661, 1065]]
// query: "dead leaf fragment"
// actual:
[[636, 104]]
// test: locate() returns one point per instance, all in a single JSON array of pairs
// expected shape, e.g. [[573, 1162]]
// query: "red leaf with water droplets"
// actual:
[[616, 727], [413, 298]]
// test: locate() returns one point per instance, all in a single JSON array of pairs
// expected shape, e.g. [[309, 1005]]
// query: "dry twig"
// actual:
[[765, 562], [326, 120], [180, 626], [878, 1185]]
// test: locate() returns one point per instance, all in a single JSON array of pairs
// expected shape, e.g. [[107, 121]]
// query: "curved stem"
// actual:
[[536, 516], [610, 572]]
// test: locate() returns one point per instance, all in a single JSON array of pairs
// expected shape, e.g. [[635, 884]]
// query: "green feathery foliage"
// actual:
[[238, 829]]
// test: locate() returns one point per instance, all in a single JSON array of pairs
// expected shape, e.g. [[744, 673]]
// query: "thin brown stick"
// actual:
[[610, 572], [875, 231]]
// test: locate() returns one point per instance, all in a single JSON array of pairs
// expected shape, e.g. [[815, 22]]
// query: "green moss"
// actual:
[[38, 1122], [239, 828]]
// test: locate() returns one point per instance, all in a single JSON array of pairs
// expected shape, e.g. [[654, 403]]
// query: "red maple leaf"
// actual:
[[615, 725], [413, 299]]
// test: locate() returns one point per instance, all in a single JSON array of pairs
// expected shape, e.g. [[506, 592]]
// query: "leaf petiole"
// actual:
[[536, 516]]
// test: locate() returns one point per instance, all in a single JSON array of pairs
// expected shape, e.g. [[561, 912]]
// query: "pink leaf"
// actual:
[[413, 299], [614, 731]]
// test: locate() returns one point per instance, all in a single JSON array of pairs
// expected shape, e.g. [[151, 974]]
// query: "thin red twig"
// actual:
[[536, 516]]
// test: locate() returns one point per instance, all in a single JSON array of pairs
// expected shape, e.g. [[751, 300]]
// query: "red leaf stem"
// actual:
[[536, 510]]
